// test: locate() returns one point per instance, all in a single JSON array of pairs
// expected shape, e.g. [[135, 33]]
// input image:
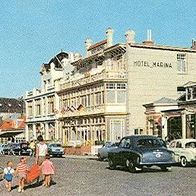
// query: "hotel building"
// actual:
[[102, 98]]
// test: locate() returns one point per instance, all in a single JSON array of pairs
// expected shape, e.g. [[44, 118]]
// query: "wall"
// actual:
[[147, 83]]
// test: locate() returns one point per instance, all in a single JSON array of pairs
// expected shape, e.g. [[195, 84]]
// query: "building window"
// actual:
[[181, 63], [121, 86], [194, 92], [121, 96], [110, 86]]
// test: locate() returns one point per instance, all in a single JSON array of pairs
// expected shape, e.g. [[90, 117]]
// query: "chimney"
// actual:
[[149, 40], [130, 36], [88, 43], [193, 44], [109, 36]]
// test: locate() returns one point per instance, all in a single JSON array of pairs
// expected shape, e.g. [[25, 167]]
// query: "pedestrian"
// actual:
[[32, 147], [47, 170], [8, 175], [41, 150], [21, 171]]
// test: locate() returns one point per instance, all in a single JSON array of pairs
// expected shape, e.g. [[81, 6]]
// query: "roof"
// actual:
[[11, 105], [165, 100], [162, 101], [161, 47], [98, 44]]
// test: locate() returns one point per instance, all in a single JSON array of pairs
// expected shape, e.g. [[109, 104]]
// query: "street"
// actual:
[[87, 176]]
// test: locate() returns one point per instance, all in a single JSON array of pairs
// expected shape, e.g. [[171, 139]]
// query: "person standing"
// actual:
[[41, 150], [32, 147], [8, 175], [21, 171], [47, 170]]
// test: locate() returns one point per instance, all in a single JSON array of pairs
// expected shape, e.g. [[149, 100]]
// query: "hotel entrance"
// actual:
[[174, 128]]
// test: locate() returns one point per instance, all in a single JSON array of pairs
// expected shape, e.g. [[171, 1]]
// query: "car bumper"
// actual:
[[157, 163], [56, 153]]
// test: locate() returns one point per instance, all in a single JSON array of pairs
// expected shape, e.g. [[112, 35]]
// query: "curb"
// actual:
[[81, 156]]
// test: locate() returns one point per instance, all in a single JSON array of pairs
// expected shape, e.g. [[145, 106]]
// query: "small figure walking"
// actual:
[[47, 170], [21, 170], [8, 175]]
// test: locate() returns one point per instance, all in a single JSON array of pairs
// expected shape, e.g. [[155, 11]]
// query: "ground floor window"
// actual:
[[174, 128]]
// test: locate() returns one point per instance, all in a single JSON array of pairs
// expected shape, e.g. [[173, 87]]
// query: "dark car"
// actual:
[[134, 152], [55, 149], [7, 149], [20, 148]]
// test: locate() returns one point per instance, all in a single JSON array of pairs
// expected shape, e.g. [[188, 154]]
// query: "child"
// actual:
[[47, 170], [21, 170], [8, 175]]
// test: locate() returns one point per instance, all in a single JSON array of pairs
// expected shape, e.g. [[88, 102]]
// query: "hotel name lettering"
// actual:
[[153, 64]]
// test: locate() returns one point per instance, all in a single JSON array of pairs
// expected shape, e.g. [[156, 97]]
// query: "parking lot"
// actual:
[[88, 176]]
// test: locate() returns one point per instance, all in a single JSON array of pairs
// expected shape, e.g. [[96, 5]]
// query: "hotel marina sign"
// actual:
[[154, 64]]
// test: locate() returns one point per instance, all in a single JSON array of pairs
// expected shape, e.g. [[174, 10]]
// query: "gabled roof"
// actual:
[[98, 44]]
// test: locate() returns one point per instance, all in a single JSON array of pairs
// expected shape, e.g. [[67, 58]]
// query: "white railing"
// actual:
[[96, 77]]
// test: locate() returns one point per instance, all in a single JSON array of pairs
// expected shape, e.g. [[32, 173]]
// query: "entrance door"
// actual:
[[116, 129], [174, 128]]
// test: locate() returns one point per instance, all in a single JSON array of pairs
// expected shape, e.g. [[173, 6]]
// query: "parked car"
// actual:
[[20, 149], [7, 149], [1, 148], [103, 151], [185, 151], [55, 149], [135, 151]]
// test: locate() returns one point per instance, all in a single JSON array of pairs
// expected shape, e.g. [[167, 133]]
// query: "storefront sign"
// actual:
[[154, 64]]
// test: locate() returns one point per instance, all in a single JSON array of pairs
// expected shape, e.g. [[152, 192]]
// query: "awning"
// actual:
[[10, 133]]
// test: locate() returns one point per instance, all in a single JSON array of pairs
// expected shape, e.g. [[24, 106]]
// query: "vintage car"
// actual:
[[103, 151], [20, 148], [185, 151], [137, 151], [55, 149]]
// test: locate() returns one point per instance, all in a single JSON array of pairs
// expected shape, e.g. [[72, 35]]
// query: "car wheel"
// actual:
[[130, 166], [183, 161], [99, 157], [111, 164]]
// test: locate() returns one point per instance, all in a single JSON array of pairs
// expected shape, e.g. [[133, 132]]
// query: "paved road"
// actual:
[[85, 177]]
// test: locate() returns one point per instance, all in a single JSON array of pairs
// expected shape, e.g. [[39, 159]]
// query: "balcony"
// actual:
[[83, 112], [93, 78], [38, 92]]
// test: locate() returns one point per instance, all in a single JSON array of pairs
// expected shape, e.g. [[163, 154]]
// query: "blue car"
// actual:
[[137, 151]]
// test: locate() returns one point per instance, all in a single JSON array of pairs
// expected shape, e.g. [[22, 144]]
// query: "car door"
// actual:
[[125, 151]]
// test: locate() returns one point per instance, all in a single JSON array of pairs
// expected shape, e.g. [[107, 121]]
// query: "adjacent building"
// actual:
[[12, 119], [42, 104]]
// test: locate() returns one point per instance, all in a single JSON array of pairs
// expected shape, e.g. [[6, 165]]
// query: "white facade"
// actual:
[[155, 71], [100, 97], [42, 104]]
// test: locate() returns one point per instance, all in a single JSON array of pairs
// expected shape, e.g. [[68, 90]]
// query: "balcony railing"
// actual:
[[83, 112], [93, 78]]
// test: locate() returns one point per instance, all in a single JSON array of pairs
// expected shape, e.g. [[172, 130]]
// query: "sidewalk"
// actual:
[[80, 156]]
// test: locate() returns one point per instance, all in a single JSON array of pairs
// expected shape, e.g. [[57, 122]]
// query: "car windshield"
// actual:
[[55, 145], [190, 145], [150, 143]]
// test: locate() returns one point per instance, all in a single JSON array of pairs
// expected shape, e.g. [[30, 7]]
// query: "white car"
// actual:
[[185, 151], [103, 151]]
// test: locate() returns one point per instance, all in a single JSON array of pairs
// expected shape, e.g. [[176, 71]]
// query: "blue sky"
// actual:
[[33, 31]]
